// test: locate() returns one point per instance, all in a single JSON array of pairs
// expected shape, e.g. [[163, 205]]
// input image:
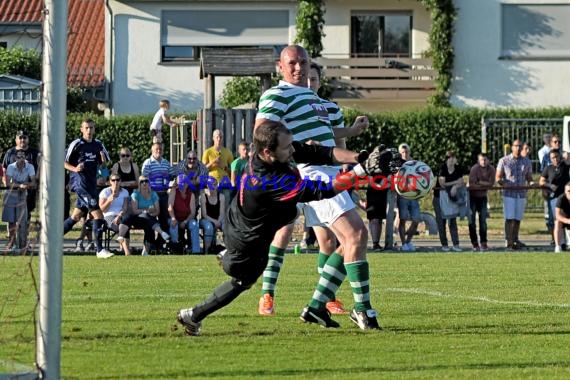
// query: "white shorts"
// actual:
[[513, 208], [325, 212]]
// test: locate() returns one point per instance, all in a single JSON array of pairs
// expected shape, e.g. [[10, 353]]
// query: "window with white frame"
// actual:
[[535, 31], [185, 32], [380, 34]]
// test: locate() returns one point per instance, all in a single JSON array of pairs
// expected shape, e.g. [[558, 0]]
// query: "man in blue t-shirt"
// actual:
[[83, 157]]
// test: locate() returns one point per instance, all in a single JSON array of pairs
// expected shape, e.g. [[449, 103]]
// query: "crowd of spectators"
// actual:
[[177, 217]]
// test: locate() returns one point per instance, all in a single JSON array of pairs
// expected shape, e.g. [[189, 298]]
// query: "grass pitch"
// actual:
[[473, 316]]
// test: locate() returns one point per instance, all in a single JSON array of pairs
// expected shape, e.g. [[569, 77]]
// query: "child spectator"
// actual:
[[160, 117]]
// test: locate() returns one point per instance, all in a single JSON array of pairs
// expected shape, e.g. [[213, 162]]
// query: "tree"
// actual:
[[19, 61], [309, 26]]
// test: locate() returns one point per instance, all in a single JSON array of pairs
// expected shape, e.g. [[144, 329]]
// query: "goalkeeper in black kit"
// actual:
[[267, 200]]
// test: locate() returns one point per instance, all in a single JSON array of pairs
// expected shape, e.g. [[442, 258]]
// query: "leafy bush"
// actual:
[[243, 90], [433, 131], [309, 26], [19, 61], [131, 131]]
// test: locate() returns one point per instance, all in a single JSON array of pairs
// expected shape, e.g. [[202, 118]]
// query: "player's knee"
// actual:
[[358, 237], [243, 284]]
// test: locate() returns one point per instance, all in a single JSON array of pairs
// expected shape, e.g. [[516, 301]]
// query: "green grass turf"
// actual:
[[472, 316]]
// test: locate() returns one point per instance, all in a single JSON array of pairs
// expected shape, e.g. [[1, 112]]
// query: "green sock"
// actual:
[[271, 272], [359, 277], [331, 277], [321, 261]]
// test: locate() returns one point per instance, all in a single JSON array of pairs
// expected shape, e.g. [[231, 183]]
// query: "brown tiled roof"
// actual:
[[86, 38], [20, 11]]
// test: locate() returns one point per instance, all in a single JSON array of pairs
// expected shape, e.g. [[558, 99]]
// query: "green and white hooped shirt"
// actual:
[[305, 115]]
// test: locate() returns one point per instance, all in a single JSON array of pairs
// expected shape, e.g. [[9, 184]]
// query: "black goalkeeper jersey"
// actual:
[[268, 196]]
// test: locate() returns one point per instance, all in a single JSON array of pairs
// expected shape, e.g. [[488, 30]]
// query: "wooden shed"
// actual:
[[226, 61]]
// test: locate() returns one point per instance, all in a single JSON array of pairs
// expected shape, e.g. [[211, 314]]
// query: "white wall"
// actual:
[[483, 80], [139, 79], [23, 40], [336, 43]]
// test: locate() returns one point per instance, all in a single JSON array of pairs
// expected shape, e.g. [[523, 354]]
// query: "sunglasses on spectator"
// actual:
[[20, 157], [191, 158], [115, 180], [22, 137], [143, 182], [125, 155]]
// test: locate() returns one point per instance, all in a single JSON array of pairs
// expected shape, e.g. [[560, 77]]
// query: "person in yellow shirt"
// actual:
[[218, 159]]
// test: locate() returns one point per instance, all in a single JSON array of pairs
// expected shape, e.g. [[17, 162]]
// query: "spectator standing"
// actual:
[[84, 155], [182, 211], [376, 203], [127, 170], [20, 176], [562, 217], [481, 178], [545, 148], [114, 202], [160, 117], [218, 160], [451, 181], [33, 157], [238, 165], [555, 143], [158, 171], [552, 181], [513, 173], [408, 210]]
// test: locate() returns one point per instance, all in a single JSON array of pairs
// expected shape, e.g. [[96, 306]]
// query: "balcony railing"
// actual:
[[380, 78]]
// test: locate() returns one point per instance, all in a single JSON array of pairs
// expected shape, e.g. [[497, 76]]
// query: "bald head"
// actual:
[[294, 65]]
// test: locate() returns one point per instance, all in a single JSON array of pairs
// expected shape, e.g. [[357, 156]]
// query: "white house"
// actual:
[[512, 53], [508, 53]]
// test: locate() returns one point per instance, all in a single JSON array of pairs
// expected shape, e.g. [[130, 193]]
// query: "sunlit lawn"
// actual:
[[492, 316]]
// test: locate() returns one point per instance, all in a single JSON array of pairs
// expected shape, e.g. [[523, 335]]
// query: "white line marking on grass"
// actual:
[[435, 293]]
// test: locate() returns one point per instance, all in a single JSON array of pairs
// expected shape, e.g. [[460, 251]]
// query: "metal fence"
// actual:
[[497, 136]]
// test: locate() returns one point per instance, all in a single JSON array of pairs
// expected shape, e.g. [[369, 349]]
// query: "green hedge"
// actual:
[[431, 132], [130, 131]]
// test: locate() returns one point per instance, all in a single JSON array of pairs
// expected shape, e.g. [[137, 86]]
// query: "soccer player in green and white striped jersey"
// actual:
[[303, 112]]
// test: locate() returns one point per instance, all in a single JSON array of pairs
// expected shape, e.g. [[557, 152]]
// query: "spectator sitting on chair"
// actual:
[[212, 205], [182, 211], [145, 209], [20, 176], [159, 171], [127, 170], [194, 171], [114, 202], [562, 217]]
